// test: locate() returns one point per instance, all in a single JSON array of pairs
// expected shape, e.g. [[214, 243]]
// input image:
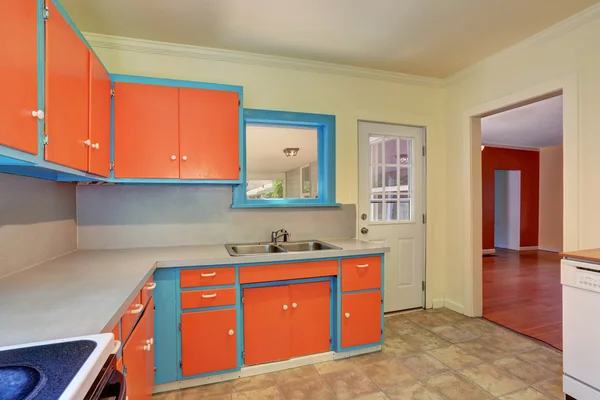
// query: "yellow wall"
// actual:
[[551, 199], [572, 53], [349, 98]]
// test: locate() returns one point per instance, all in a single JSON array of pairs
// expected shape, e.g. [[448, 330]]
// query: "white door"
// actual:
[[391, 206]]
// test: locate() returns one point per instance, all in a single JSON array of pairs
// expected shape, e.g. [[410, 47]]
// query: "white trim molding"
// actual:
[[240, 57], [549, 250], [527, 248], [454, 306], [488, 251], [437, 303]]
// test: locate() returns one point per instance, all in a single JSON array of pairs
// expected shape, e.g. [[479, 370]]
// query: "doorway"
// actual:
[[391, 206], [507, 209]]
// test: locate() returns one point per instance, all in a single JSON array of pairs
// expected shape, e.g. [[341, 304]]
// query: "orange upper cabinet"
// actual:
[[209, 134], [18, 75], [208, 341], [311, 318], [99, 118], [267, 324], [67, 93], [146, 131]]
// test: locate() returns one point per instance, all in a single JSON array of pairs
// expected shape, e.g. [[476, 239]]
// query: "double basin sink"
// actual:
[[282, 247]]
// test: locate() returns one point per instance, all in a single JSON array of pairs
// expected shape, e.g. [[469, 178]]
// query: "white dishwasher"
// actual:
[[581, 329]]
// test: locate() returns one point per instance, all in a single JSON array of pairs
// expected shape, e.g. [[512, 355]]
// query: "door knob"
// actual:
[[347, 315], [39, 114], [87, 142], [363, 216], [285, 307], [173, 157], [231, 332], [294, 305], [364, 231], [96, 146], [184, 158]]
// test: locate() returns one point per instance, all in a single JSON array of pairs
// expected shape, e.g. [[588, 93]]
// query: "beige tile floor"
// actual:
[[427, 355]]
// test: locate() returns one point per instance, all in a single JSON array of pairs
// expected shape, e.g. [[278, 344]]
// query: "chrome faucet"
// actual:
[[280, 233]]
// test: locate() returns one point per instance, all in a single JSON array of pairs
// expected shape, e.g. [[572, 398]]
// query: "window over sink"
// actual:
[[288, 160]]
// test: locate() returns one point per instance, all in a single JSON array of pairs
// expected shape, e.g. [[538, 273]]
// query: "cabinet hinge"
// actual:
[[243, 356], [242, 300], [180, 326], [181, 364], [154, 369], [46, 13], [424, 151], [330, 340], [111, 166], [45, 139], [382, 300], [423, 285], [124, 370], [112, 93], [424, 218], [329, 290], [239, 168], [239, 102]]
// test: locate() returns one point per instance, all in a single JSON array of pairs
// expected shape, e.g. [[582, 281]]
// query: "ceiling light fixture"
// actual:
[[291, 151]]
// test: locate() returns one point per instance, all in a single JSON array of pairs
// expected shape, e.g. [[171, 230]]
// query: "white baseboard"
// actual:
[[454, 306], [549, 250], [487, 251], [263, 369], [437, 303], [527, 248]]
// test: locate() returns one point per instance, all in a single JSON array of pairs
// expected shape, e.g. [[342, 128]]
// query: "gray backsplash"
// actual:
[[111, 217], [37, 221]]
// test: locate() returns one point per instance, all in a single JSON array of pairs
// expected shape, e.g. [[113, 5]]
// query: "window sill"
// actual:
[[285, 205]]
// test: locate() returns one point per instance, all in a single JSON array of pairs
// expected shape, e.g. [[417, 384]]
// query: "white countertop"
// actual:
[[87, 291]]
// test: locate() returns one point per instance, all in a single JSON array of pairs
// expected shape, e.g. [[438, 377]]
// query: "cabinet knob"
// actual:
[[39, 114], [285, 307], [347, 315], [294, 305], [87, 142], [150, 341], [184, 158], [231, 332], [96, 146], [173, 157], [147, 347]]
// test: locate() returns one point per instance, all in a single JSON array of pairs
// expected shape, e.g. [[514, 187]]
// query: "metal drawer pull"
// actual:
[[362, 265], [207, 275], [151, 286], [209, 296], [138, 310]]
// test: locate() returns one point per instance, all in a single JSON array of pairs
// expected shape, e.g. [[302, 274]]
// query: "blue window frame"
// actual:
[[325, 125]]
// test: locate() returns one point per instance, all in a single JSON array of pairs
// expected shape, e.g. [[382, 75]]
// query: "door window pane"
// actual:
[[376, 176], [391, 151]]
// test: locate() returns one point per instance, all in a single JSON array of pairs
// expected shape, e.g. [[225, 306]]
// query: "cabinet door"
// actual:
[[148, 319], [209, 134], [67, 93], [146, 131], [99, 130], [311, 318], [18, 75], [129, 319], [208, 341], [361, 318], [267, 324], [135, 359]]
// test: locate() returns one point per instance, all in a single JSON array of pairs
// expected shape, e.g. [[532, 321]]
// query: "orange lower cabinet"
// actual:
[[129, 319], [208, 341], [361, 318], [311, 318], [149, 321], [135, 362], [267, 324]]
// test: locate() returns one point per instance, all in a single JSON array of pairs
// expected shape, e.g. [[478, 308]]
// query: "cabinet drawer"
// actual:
[[361, 273], [208, 298], [146, 292], [131, 316], [361, 319], [280, 272], [207, 277]]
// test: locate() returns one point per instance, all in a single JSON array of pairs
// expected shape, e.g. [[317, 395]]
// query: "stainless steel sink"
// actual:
[[309, 245], [249, 249]]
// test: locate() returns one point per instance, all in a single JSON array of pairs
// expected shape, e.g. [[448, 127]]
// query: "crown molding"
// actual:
[[239, 57], [559, 29]]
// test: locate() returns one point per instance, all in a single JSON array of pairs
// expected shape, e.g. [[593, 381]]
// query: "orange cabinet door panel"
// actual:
[[361, 274], [146, 131], [148, 320], [208, 298], [274, 272], [267, 324], [18, 75], [208, 341], [311, 318], [117, 331], [131, 316], [67, 94], [206, 277], [209, 134], [135, 359], [361, 318], [99, 119]]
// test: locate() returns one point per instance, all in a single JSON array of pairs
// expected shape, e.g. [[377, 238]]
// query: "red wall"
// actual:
[[528, 162]]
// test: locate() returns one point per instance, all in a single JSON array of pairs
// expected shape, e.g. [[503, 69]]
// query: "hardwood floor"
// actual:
[[522, 291]]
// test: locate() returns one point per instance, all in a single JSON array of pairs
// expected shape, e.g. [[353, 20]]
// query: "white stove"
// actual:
[[581, 329]]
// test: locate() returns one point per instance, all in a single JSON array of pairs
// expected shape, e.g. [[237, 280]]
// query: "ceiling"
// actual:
[[265, 144], [433, 38], [535, 125]]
